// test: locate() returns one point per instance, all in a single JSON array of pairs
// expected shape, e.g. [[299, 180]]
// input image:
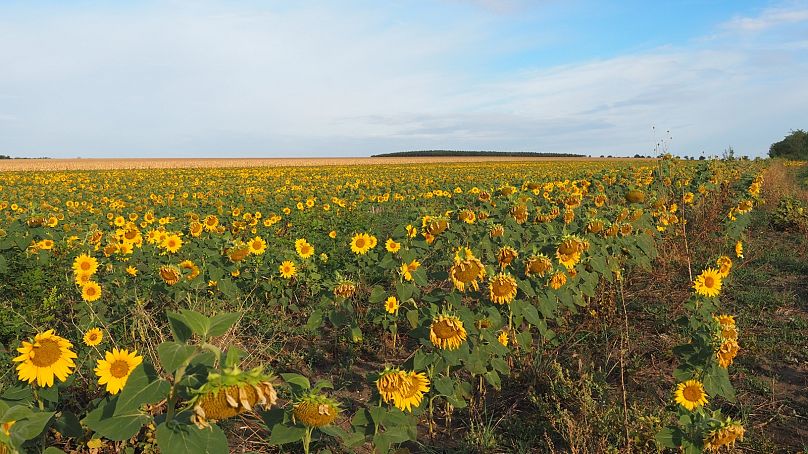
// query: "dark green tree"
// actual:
[[793, 146]]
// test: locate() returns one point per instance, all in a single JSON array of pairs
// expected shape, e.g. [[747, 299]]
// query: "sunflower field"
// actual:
[[350, 308]]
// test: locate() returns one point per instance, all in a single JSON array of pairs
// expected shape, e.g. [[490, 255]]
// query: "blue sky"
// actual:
[[192, 78]]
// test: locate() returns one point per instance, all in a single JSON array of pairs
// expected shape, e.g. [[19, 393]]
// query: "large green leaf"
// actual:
[[116, 426], [220, 323], [173, 355], [144, 386], [188, 439], [282, 434]]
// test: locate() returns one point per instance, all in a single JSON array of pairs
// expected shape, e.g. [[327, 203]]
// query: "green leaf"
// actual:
[[227, 287], [173, 355], [143, 386], [52, 450], [315, 320], [116, 426], [68, 425], [669, 437], [220, 323], [198, 323], [179, 327], [377, 295], [282, 434], [189, 439], [531, 314], [412, 317], [297, 380], [31, 426]]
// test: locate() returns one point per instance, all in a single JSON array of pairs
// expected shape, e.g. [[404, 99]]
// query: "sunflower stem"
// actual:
[[307, 440]]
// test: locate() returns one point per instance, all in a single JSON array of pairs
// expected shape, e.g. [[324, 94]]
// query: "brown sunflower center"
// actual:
[[466, 272], [257, 244], [501, 287], [92, 337], [85, 265], [709, 281], [46, 353], [444, 330], [89, 290], [119, 368], [360, 243], [692, 393]]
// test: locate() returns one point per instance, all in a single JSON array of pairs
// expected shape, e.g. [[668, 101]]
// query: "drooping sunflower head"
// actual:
[[466, 270], [506, 255], [447, 332], [190, 267], [596, 226], [407, 269], [538, 265], [316, 410], [724, 435], [708, 283], [502, 288], [724, 264], [390, 383], [48, 356], [739, 249], [691, 394], [412, 389], [497, 231], [170, 274], [726, 326], [558, 280], [115, 368], [727, 352], [345, 289], [569, 251], [231, 393]]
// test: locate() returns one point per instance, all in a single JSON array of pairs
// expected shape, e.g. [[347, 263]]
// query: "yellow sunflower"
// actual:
[[447, 332], [725, 435], [538, 265], [93, 337], [131, 270], [392, 246], [115, 369], [391, 305], [503, 338], [90, 291], [506, 255], [48, 356], [502, 288], [414, 385], [708, 283], [170, 274], [739, 249], [303, 248], [287, 269], [558, 280], [84, 264], [724, 264], [691, 395], [360, 243], [257, 246], [190, 266], [172, 243], [408, 268]]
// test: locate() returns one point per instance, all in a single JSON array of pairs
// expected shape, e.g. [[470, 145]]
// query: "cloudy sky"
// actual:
[[190, 78]]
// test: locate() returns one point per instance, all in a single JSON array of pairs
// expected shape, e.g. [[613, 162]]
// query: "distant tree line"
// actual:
[[793, 146], [443, 153]]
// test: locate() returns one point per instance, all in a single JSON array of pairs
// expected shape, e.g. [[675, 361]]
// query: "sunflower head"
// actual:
[[231, 393], [345, 289], [287, 269], [708, 283], [506, 255], [116, 366], [93, 337], [315, 410], [90, 291], [47, 356], [502, 288], [466, 270], [447, 332], [724, 264], [170, 274], [726, 434], [691, 394], [538, 265]]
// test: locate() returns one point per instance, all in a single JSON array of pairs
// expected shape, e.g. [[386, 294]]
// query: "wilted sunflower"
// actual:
[[727, 326], [93, 337], [724, 264], [389, 384], [506, 255], [502, 288], [315, 410], [48, 356], [519, 213], [190, 266], [170, 274], [231, 393], [691, 395], [708, 283], [287, 269], [558, 280], [538, 265], [496, 231], [411, 392], [739, 249], [345, 289], [727, 352], [466, 271], [115, 368], [360, 243], [725, 435], [90, 291], [568, 252], [84, 264], [447, 332]]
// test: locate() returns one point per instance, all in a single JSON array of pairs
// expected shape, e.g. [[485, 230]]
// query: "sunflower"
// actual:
[[48, 356], [211, 223], [411, 231], [538, 265], [231, 393], [503, 338], [389, 384], [257, 246], [315, 410], [90, 291], [558, 280], [190, 266], [408, 268], [691, 395], [708, 283], [360, 243], [506, 255], [391, 305], [502, 288], [84, 264], [303, 248], [727, 326], [725, 435], [131, 270], [724, 264], [635, 196], [392, 246], [239, 252], [82, 278], [169, 274], [115, 369], [414, 385], [568, 253], [739, 249], [172, 243], [496, 231], [345, 289], [93, 337], [466, 271], [447, 332], [287, 269], [332, 234], [727, 352]]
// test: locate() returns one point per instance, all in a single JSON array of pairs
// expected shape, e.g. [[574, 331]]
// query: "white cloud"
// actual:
[[204, 79], [769, 18]]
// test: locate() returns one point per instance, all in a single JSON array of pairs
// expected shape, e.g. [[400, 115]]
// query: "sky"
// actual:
[[251, 78]]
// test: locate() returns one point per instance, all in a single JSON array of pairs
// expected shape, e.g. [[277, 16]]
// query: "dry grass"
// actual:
[[11, 165]]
